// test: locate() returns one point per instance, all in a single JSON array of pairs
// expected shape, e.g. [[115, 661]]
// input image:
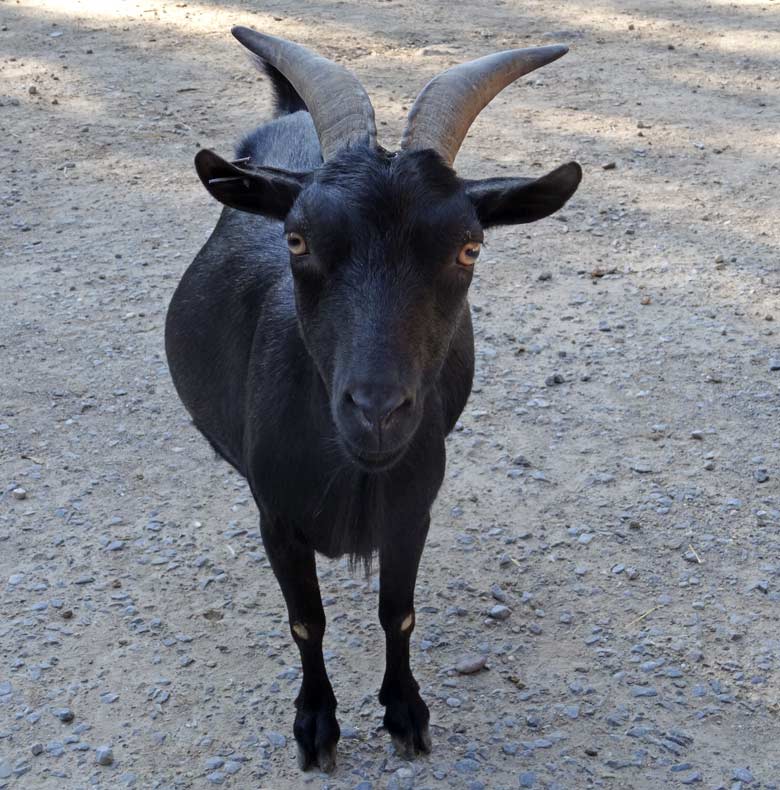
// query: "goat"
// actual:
[[321, 340]]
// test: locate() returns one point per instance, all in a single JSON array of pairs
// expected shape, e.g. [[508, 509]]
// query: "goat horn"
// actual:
[[338, 103], [447, 106]]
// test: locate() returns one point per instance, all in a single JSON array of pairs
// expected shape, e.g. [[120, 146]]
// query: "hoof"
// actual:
[[407, 723], [317, 734]]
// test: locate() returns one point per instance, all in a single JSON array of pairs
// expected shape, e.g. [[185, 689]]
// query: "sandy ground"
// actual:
[[637, 540]]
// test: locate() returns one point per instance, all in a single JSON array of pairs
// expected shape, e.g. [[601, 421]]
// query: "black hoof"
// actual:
[[317, 733], [407, 723]]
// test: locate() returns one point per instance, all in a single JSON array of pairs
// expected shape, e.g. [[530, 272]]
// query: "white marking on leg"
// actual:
[[300, 630], [408, 622]]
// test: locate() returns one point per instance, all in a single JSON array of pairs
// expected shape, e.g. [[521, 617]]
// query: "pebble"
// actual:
[[774, 363], [498, 593], [468, 665], [500, 612], [104, 755], [276, 739], [743, 775], [761, 475], [36, 748], [64, 715], [19, 493], [216, 777]]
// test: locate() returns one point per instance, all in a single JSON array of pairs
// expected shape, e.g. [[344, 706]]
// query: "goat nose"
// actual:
[[377, 406]]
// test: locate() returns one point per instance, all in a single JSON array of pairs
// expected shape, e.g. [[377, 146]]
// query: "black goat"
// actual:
[[322, 342]]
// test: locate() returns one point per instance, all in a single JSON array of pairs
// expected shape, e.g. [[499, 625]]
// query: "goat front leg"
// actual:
[[316, 729], [406, 715]]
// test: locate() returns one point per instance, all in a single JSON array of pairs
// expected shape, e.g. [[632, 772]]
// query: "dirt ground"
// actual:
[[630, 515]]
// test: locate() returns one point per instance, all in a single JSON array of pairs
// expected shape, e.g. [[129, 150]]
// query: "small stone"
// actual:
[[544, 276], [500, 612], [761, 475], [697, 435], [32, 90], [36, 749], [641, 467], [609, 166], [5, 687], [468, 665], [498, 593], [691, 779], [774, 363], [454, 702], [556, 378], [527, 779], [276, 739], [216, 778], [743, 775], [214, 762], [19, 493], [104, 755], [65, 715]]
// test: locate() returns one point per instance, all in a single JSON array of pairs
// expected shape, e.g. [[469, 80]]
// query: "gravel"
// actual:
[[468, 665], [104, 755], [623, 424]]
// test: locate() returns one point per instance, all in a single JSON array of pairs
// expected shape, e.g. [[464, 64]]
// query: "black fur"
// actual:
[[330, 379]]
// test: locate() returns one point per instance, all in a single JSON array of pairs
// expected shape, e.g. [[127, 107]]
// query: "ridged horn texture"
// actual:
[[338, 103], [447, 106]]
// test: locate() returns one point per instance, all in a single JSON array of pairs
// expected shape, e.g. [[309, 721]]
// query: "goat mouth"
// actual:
[[375, 462]]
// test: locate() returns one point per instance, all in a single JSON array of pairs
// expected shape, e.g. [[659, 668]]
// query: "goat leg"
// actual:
[[406, 715], [316, 729]]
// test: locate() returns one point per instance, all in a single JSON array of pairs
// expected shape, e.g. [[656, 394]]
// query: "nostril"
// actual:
[[395, 411], [349, 399]]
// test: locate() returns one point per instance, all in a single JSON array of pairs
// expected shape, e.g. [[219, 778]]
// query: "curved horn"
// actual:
[[339, 105], [447, 106]]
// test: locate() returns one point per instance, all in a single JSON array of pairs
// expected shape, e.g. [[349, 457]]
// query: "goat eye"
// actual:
[[469, 253], [297, 244]]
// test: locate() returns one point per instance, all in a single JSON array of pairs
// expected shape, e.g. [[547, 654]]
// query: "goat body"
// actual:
[[329, 367]]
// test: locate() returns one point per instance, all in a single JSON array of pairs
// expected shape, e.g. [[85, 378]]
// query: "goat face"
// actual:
[[382, 250]]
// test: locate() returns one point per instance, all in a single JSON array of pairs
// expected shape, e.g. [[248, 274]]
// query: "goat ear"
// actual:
[[265, 190], [511, 201]]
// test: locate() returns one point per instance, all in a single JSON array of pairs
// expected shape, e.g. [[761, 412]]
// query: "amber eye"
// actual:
[[469, 253], [297, 244]]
